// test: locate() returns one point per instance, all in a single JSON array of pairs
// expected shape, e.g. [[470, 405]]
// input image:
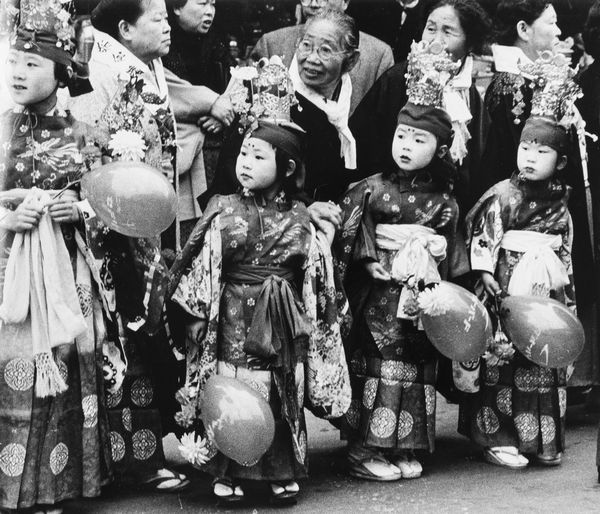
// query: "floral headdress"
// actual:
[[554, 90], [263, 91], [44, 27], [430, 69]]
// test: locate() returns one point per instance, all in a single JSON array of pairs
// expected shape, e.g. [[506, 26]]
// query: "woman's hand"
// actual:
[[22, 219], [490, 284], [210, 125], [222, 110], [377, 271], [324, 215], [14, 196], [63, 208], [196, 330]]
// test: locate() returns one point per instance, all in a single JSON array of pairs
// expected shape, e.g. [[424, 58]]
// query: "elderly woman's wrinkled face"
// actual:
[[320, 55], [443, 25], [543, 33], [196, 16], [150, 36]]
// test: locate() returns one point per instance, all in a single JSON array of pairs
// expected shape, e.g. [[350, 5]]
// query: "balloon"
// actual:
[[237, 419], [131, 198], [544, 330], [455, 321]]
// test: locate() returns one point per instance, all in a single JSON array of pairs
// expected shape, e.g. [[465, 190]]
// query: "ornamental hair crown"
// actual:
[[263, 91], [52, 17], [430, 68], [554, 90]]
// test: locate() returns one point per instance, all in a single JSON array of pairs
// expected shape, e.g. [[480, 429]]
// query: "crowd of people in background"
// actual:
[[333, 161]]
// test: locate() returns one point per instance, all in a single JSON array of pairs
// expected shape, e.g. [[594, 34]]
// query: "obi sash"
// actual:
[[419, 250], [539, 269]]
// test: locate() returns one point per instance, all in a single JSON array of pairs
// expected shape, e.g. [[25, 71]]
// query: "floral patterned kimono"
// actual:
[[130, 100], [392, 363], [52, 448], [244, 255], [519, 403]]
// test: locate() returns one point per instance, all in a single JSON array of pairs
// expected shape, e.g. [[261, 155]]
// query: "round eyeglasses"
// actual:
[[324, 51]]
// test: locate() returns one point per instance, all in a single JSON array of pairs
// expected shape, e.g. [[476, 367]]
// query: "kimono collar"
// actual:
[[552, 189], [112, 53], [508, 58], [420, 180], [55, 111], [281, 201], [464, 79]]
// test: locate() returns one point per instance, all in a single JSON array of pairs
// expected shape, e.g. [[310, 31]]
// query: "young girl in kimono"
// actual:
[[255, 247], [521, 406], [53, 424], [399, 234]]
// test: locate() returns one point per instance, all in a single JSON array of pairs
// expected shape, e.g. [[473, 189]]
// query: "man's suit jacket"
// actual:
[[375, 57]]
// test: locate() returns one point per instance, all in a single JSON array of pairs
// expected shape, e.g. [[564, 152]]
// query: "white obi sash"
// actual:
[[539, 270], [418, 249]]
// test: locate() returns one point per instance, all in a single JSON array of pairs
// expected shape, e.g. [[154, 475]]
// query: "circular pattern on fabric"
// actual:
[[405, 424], [562, 401], [300, 448], [58, 458], [383, 422], [12, 459], [353, 414], [487, 421], [548, 428], [84, 294], [492, 375], [63, 370], [19, 374], [430, 400], [546, 378], [525, 380], [126, 419], [504, 401], [144, 444], [370, 392], [89, 405], [141, 392], [397, 370], [117, 446], [527, 426], [113, 399]]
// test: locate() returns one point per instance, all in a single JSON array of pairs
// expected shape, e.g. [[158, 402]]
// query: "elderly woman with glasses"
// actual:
[[325, 54]]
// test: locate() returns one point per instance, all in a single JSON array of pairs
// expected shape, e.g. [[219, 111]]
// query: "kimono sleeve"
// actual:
[[485, 236], [565, 256]]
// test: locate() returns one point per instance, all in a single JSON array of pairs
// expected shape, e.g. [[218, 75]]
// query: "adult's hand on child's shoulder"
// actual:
[[377, 271], [22, 219], [490, 284], [196, 330]]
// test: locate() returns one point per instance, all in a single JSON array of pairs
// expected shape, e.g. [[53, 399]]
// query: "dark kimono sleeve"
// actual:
[[456, 262]]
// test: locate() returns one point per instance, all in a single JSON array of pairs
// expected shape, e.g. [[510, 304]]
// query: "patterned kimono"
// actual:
[[520, 403], [392, 363], [244, 255], [53, 448]]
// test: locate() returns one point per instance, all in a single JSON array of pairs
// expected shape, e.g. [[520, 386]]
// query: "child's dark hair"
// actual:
[[291, 185], [62, 74]]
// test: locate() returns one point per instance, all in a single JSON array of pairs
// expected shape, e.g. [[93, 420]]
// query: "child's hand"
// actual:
[[196, 330], [22, 219], [489, 283], [63, 208], [377, 271]]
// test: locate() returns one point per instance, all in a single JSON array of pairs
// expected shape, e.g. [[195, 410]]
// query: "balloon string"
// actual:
[[68, 186]]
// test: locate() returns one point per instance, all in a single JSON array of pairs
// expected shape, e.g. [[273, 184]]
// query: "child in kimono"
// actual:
[[248, 255], [521, 406], [399, 234], [53, 424]]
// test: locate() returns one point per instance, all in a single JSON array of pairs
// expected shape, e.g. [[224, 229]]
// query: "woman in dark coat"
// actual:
[[462, 26]]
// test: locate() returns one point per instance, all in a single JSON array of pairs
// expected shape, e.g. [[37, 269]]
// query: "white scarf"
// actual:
[[337, 112]]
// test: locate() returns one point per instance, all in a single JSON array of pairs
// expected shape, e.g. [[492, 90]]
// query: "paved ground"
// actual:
[[456, 480]]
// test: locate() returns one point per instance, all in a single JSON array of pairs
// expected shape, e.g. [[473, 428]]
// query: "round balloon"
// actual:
[[455, 321], [131, 198], [544, 330], [237, 419]]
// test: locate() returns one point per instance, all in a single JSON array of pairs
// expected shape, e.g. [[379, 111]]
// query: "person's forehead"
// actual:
[[323, 30], [413, 130], [445, 15]]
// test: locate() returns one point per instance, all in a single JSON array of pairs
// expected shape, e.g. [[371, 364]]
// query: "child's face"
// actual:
[[413, 149], [536, 161], [256, 168], [30, 77]]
